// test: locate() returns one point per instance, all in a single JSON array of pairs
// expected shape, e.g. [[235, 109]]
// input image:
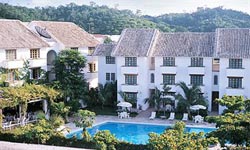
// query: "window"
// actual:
[[112, 76], [130, 79], [34, 53], [107, 76], [235, 82], [35, 73], [216, 61], [235, 63], [196, 62], [130, 61], [74, 48], [91, 50], [196, 80], [131, 95], [168, 61], [169, 79], [10, 54], [110, 60], [215, 80], [216, 65], [92, 67], [152, 78]]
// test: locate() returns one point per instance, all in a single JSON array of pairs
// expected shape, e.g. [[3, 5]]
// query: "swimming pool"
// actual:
[[133, 132]]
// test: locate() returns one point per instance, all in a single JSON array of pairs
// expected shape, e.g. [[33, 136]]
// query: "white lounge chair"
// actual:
[[172, 116], [198, 119], [185, 117], [153, 114]]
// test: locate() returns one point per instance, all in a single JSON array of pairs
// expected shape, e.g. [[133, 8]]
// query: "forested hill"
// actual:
[[105, 20]]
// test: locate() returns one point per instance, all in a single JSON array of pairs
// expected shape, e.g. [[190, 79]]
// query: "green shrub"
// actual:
[[56, 121], [104, 139]]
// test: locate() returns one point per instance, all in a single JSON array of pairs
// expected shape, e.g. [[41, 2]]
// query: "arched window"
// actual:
[[152, 78]]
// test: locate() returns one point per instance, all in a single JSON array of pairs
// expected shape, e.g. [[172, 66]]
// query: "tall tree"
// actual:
[[69, 76]]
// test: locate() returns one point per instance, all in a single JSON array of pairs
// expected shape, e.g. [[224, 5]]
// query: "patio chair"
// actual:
[[5, 125], [153, 114], [198, 119], [172, 116], [185, 117]]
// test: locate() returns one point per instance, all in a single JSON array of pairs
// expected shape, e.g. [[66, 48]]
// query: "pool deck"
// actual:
[[24, 146], [141, 118]]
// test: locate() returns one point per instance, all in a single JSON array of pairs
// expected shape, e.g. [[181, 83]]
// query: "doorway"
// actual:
[[215, 105]]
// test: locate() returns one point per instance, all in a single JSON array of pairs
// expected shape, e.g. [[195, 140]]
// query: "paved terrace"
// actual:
[[23, 146], [142, 117]]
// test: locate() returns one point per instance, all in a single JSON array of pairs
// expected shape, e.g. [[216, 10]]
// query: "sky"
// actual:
[[147, 7]]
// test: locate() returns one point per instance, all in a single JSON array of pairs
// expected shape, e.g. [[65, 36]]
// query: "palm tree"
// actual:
[[104, 93], [60, 109], [159, 98], [191, 96], [155, 99]]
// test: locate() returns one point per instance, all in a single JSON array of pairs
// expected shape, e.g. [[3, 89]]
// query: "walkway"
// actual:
[[22, 146]]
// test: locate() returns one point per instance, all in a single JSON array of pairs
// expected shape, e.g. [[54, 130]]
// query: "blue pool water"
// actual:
[[134, 133]]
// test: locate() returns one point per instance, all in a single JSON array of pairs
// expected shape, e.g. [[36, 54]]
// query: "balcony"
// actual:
[[12, 64], [129, 88], [33, 63], [168, 69], [129, 70], [235, 72], [196, 70], [91, 75], [234, 91]]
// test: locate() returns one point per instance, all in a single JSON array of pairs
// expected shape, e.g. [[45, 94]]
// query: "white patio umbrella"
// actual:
[[124, 104], [197, 107]]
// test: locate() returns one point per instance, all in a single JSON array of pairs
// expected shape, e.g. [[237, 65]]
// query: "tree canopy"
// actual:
[[106, 20], [69, 76], [12, 96], [177, 138]]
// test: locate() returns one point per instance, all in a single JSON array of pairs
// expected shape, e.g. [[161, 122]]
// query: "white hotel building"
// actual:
[[38, 42], [219, 62]]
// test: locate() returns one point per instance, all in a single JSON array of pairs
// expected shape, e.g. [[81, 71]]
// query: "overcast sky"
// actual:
[[149, 7]]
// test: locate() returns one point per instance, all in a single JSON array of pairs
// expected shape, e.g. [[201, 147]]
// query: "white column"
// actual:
[[45, 109]]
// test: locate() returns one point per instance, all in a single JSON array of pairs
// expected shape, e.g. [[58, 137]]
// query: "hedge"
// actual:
[[58, 140]]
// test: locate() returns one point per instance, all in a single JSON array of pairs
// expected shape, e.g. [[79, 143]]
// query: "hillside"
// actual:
[[105, 20]]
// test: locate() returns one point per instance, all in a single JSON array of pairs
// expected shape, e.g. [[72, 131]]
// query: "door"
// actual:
[[215, 105]]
